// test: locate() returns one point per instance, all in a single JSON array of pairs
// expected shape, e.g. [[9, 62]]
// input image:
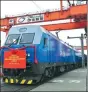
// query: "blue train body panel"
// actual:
[[48, 47]]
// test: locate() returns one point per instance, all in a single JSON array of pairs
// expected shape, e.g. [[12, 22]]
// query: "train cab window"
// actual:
[[45, 42], [12, 38], [27, 38]]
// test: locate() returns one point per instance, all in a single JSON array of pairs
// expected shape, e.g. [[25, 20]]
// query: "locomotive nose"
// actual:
[[18, 63]]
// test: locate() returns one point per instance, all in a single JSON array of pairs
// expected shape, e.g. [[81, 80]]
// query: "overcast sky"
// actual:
[[21, 7]]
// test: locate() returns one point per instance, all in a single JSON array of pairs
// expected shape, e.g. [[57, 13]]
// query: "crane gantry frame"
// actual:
[[77, 13]]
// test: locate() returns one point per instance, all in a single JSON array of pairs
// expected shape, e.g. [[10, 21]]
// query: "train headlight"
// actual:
[[28, 55]]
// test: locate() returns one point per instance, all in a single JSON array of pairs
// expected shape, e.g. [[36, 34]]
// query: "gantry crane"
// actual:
[[77, 14]]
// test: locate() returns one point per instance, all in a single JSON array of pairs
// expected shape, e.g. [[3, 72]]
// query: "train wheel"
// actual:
[[67, 68], [72, 67], [76, 66], [42, 78], [80, 65], [50, 72], [46, 73], [62, 68]]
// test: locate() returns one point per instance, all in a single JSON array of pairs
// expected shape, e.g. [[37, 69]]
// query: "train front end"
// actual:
[[17, 66], [19, 56]]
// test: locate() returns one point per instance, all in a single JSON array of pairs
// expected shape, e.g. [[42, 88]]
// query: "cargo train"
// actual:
[[31, 53]]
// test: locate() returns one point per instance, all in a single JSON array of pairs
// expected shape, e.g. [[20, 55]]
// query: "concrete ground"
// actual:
[[71, 81]]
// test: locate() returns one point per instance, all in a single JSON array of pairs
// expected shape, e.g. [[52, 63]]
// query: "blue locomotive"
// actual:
[[31, 53]]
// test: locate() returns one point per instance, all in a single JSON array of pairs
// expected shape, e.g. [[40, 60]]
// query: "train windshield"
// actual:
[[12, 39], [27, 38]]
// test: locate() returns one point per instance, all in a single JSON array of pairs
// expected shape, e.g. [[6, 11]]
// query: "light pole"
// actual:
[[82, 47]]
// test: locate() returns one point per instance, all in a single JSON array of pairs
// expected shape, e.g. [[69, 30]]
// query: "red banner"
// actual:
[[15, 59]]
